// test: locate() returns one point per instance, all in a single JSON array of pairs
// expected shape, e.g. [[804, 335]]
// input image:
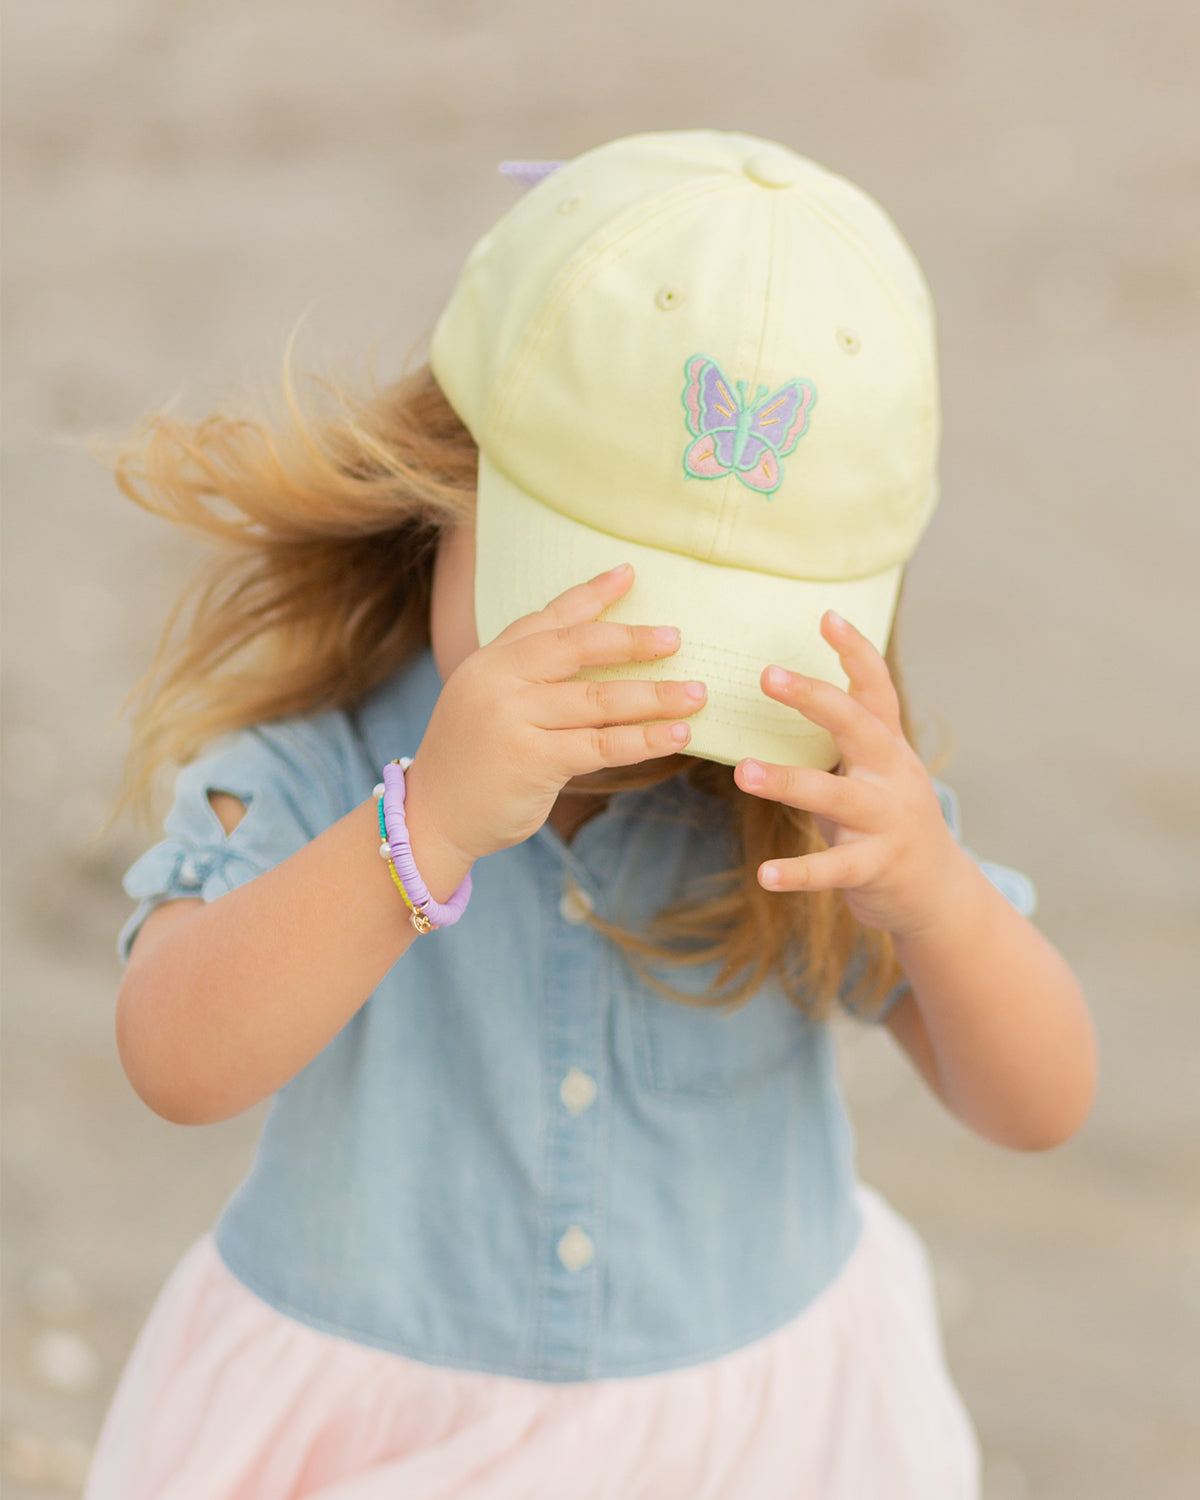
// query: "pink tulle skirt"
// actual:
[[223, 1398]]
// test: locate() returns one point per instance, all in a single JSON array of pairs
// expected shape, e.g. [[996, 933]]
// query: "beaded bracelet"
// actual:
[[385, 850], [395, 848]]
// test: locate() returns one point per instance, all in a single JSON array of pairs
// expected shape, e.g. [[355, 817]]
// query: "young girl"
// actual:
[[556, 1194]]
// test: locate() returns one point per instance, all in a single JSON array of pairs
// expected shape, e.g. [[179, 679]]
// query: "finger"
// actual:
[[585, 750], [870, 681], [580, 705], [568, 635], [841, 868], [554, 655], [850, 802], [582, 601], [861, 735]]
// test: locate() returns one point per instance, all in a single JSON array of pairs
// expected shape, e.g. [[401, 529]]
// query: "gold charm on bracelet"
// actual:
[[419, 920]]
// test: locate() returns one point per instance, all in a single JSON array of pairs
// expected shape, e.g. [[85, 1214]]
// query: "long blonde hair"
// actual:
[[319, 591]]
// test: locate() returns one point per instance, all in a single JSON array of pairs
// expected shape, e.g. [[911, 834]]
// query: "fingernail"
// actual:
[[694, 690], [667, 634], [776, 677], [679, 733], [614, 572], [770, 875], [835, 617], [752, 772]]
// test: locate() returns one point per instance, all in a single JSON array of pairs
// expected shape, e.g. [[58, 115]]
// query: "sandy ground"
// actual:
[[183, 180]]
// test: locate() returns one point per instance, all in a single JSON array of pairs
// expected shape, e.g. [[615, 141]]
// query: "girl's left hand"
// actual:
[[890, 849]]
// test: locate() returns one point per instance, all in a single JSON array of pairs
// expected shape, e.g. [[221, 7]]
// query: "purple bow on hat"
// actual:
[[530, 173]]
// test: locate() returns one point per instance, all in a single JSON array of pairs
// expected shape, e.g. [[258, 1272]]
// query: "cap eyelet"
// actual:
[[668, 297], [848, 340], [569, 205]]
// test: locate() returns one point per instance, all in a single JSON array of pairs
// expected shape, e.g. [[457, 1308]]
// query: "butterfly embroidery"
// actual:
[[734, 435]]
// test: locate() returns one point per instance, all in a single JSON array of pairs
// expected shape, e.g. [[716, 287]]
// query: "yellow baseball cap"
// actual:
[[701, 353]]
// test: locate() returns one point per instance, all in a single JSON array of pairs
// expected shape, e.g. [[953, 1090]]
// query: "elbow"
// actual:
[[167, 1100], [1059, 1104], [154, 1078], [1078, 1094], [144, 1078], [174, 1111], [174, 1108], [1060, 1130], [1044, 1135], [1057, 1121], [1030, 1133]]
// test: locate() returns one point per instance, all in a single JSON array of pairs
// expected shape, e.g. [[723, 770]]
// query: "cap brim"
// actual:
[[733, 621]]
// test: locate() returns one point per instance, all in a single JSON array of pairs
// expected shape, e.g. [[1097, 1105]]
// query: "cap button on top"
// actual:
[[774, 169]]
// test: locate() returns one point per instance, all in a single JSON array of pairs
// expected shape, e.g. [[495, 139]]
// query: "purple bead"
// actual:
[[402, 858]]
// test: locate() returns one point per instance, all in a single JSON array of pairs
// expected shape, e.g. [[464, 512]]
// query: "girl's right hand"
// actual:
[[509, 728]]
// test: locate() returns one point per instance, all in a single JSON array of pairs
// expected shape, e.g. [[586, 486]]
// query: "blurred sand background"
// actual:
[[183, 180]]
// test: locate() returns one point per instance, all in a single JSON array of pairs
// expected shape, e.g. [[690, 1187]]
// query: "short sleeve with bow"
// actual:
[[287, 775]]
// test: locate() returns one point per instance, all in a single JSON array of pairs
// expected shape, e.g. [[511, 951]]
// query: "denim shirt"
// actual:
[[517, 1157]]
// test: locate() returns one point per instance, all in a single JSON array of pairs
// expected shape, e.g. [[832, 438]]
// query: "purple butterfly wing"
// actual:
[[780, 420], [724, 440], [707, 398]]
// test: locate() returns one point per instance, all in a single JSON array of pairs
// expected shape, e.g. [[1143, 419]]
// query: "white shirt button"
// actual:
[[575, 903], [577, 1091], [575, 1249]]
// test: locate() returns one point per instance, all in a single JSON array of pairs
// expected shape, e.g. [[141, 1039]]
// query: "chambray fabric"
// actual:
[[414, 1182]]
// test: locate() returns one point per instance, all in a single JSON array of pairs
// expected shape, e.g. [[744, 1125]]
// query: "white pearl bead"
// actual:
[[378, 792], [385, 851], [405, 762]]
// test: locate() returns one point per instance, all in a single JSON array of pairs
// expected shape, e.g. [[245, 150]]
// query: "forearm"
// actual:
[[221, 1007], [1005, 1030]]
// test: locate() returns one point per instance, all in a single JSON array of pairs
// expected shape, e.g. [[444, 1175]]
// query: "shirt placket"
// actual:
[[575, 1107]]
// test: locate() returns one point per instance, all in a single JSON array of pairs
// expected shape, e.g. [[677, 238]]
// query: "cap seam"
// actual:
[[535, 334], [734, 497], [878, 270]]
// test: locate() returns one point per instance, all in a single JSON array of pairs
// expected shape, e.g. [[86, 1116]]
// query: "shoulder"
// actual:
[[293, 778], [297, 759]]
